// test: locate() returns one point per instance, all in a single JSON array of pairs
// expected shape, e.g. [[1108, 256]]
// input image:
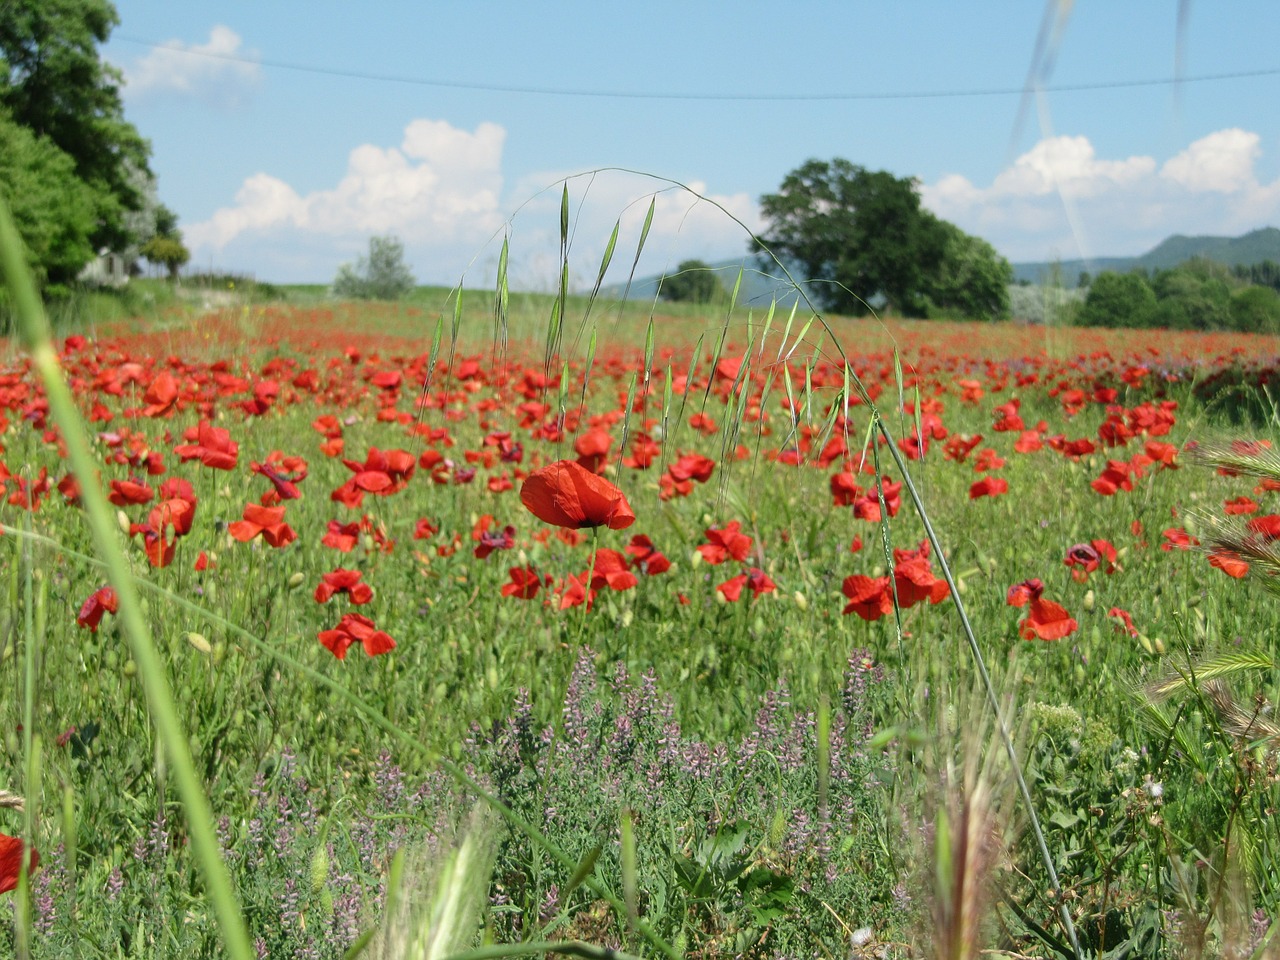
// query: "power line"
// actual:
[[727, 98]]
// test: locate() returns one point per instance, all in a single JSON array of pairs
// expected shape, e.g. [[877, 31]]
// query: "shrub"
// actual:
[[382, 275], [1117, 300]]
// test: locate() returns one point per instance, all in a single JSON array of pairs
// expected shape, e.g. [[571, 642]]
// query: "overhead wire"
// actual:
[[684, 95]]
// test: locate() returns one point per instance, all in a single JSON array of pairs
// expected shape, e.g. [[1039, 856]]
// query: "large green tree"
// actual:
[[973, 280], [861, 232], [54, 83], [54, 210]]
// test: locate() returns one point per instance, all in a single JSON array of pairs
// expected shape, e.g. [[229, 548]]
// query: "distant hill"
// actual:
[[760, 287], [1253, 247]]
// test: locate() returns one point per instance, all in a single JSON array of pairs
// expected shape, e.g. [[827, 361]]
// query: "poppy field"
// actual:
[[659, 638]]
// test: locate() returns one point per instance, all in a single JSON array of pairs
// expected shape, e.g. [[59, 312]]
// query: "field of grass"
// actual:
[[750, 722]]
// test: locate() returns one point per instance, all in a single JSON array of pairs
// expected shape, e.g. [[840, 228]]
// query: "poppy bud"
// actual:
[[801, 601], [200, 643], [695, 560], [1159, 645], [296, 580], [319, 867], [130, 669], [1194, 600], [1146, 642], [626, 618], [219, 652], [1089, 601], [122, 519], [961, 587]]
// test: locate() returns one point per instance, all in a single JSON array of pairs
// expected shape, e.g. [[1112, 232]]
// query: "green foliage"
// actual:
[[54, 210], [864, 237], [167, 251], [53, 82], [1117, 300], [382, 275], [1256, 309], [861, 232], [973, 280], [693, 282]]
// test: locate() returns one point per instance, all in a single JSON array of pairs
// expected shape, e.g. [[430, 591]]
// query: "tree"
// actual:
[[1193, 296], [1256, 309], [861, 231], [382, 275], [1117, 300], [693, 282], [54, 210], [972, 280], [53, 82], [165, 247]]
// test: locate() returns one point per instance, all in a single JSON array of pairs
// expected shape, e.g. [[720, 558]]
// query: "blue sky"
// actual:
[[286, 172]]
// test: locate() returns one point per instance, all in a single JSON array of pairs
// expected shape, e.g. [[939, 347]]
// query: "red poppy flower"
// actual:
[[491, 540], [610, 569], [592, 449], [1020, 594], [344, 581], [692, 466], [1229, 563], [126, 493], [988, 460], [524, 584], [285, 473], [567, 495], [1124, 618], [354, 628], [844, 489], [211, 445], [425, 529], [646, 557], [1047, 620], [988, 486], [341, 536], [1084, 558], [1266, 526], [100, 602], [161, 395], [869, 598], [726, 543], [759, 582], [11, 862], [267, 521], [1178, 538]]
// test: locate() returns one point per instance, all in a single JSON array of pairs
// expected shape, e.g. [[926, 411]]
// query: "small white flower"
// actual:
[[860, 937]]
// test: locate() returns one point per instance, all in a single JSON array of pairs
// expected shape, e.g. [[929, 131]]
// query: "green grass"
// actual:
[[697, 724]]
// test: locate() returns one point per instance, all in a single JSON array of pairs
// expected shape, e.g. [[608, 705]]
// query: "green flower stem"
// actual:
[[36, 335]]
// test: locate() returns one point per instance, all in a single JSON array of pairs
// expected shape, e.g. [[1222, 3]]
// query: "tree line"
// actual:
[[74, 172], [1200, 294]]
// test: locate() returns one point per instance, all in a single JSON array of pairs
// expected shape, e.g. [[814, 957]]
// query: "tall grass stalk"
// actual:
[[37, 337]]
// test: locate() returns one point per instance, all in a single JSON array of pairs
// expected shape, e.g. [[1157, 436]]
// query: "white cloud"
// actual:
[[218, 72], [692, 223], [1061, 200], [441, 191], [440, 187], [1222, 162]]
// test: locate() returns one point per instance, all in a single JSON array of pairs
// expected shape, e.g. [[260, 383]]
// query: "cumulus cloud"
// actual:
[[692, 223], [219, 72], [1060, 199], [1222, 162], [442, 192], [440, 185]]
